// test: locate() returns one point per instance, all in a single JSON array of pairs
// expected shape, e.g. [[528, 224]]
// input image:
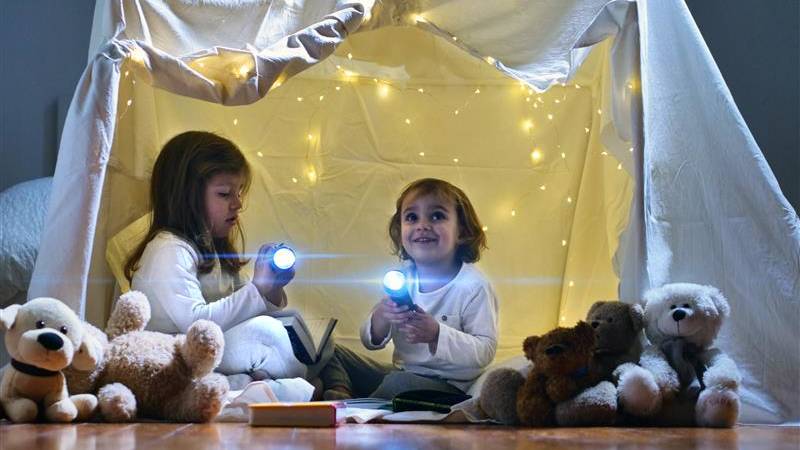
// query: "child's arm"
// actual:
[[476, 345], [168, 276], [376, 330]]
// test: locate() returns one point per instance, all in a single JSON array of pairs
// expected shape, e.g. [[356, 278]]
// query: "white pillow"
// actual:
[[22, 212]]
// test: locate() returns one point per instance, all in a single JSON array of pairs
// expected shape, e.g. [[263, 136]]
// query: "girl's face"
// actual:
[[429, 230], [223, 200]]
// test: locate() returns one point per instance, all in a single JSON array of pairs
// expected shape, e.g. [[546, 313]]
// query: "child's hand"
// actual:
[[385, 314], [270, 282], [421, 328]]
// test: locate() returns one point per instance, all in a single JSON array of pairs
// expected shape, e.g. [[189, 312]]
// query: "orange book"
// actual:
[[301, 414]]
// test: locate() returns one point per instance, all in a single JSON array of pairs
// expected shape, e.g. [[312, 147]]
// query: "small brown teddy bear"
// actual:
[[154, 375], [618, 329], [43, 337]]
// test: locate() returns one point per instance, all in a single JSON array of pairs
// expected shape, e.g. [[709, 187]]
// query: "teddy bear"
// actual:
[[698, 383], [146, 374], [618, 331], [43, 337], [562, 367]]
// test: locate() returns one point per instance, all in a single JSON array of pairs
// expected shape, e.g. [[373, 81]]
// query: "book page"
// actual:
[[320, 330]]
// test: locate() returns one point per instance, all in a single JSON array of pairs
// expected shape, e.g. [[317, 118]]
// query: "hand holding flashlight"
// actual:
[[274, 269]]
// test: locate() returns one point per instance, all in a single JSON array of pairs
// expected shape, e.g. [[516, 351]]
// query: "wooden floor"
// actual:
[[382, 436]]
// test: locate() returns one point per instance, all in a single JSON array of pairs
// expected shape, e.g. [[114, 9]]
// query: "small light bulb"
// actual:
[[260, 155], [383, 90], [485, 228], [126, 73], [599, 111], [586, 130], [338, 88], [528, 99], [513, 212], [527, 125], [549, 117], [349, 56], [478, 91], [129, 102], [490, 60], [294, 180], [455, 160], [421, 91], [321, 97], [630, 149], [311, 173], [619, 166], [569, 199], [563, 155], [604, 153], [557, 101], [299, 99], [536, 155], [455, 38], [455, 112], [310, 137], [421, 153], [577, 86], [235, 122], [542, 187], [408, 121]]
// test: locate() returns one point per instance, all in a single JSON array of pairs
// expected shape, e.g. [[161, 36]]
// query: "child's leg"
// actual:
[[350, 374], [261, 348], [400, 381]]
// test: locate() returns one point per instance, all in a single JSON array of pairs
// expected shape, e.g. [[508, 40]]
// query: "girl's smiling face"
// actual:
[[429, 230], [223, 201]]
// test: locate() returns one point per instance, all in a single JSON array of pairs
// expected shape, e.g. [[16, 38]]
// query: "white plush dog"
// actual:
[[44, 336], [697, 383]]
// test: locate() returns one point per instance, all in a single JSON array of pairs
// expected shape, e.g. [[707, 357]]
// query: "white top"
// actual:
[[466, 309], [168, 276]]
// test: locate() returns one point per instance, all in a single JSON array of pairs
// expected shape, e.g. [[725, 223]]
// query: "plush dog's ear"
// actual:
[[8, 316], [592, 309], [88, 354], [637, 317], [529, 346]]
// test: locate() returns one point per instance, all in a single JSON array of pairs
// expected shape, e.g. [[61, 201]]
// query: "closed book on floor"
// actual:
[[427, 400], [308, 337], [303, 414]]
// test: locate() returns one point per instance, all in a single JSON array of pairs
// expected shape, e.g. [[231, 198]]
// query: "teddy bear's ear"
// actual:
[[637, 316], [88, 354], [719, 301], [529, 346], [8, 316], [594, 307], [585, 333]]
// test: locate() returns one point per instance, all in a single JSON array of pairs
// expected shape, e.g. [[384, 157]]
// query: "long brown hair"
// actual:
[[471, 237], [177, 197]]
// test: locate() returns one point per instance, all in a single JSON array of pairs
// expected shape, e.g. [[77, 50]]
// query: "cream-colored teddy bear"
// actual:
[[697, 382], [145, 374], [43, 337]]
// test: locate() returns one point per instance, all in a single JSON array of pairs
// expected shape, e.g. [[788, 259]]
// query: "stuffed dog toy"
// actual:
[[44, 336]]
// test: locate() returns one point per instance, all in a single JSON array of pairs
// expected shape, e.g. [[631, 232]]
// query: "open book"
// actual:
[[308, 337]]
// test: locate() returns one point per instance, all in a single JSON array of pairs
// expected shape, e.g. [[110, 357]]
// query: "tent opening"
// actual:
[[332, 147]]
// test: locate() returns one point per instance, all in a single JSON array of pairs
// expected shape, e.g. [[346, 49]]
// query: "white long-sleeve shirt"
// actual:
[[466, 309], [179, 296]]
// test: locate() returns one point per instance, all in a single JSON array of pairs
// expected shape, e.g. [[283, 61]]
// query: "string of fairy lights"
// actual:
[[386, 88]]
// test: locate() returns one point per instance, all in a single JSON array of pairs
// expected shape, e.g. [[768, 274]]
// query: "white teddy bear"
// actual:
[[696, 383]]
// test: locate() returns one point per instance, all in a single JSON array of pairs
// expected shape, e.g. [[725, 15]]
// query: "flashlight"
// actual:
[[283, 258], [396, 287]]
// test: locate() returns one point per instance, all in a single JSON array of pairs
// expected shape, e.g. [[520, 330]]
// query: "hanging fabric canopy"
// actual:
[[602, 161]]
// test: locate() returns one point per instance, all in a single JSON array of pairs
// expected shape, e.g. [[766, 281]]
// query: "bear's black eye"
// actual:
[[63, 329], [610, 319], [686, 305], [672, 307], [40, 324]]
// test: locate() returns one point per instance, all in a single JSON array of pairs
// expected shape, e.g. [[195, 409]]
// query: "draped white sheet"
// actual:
[[664, 156]]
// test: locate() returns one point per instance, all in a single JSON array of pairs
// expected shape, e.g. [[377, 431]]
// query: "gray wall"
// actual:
[[755, 44]]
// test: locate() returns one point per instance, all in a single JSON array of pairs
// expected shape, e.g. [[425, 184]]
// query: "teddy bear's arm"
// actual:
[[666, 378], [561, 388], [721, 370]]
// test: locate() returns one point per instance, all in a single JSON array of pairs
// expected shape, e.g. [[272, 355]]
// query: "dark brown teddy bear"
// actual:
[[562, 367]]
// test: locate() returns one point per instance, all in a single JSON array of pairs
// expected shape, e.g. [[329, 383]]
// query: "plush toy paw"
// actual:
[[639, 394], [117, 403], [596, 406], [61, 411], [498, 398], [21, 410], [203, 347], [86, 404], [717, 408]]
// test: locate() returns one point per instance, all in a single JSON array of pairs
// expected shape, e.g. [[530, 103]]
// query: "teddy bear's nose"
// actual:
[[678, 315], [50, 341], [554, 350], [595, 324]]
